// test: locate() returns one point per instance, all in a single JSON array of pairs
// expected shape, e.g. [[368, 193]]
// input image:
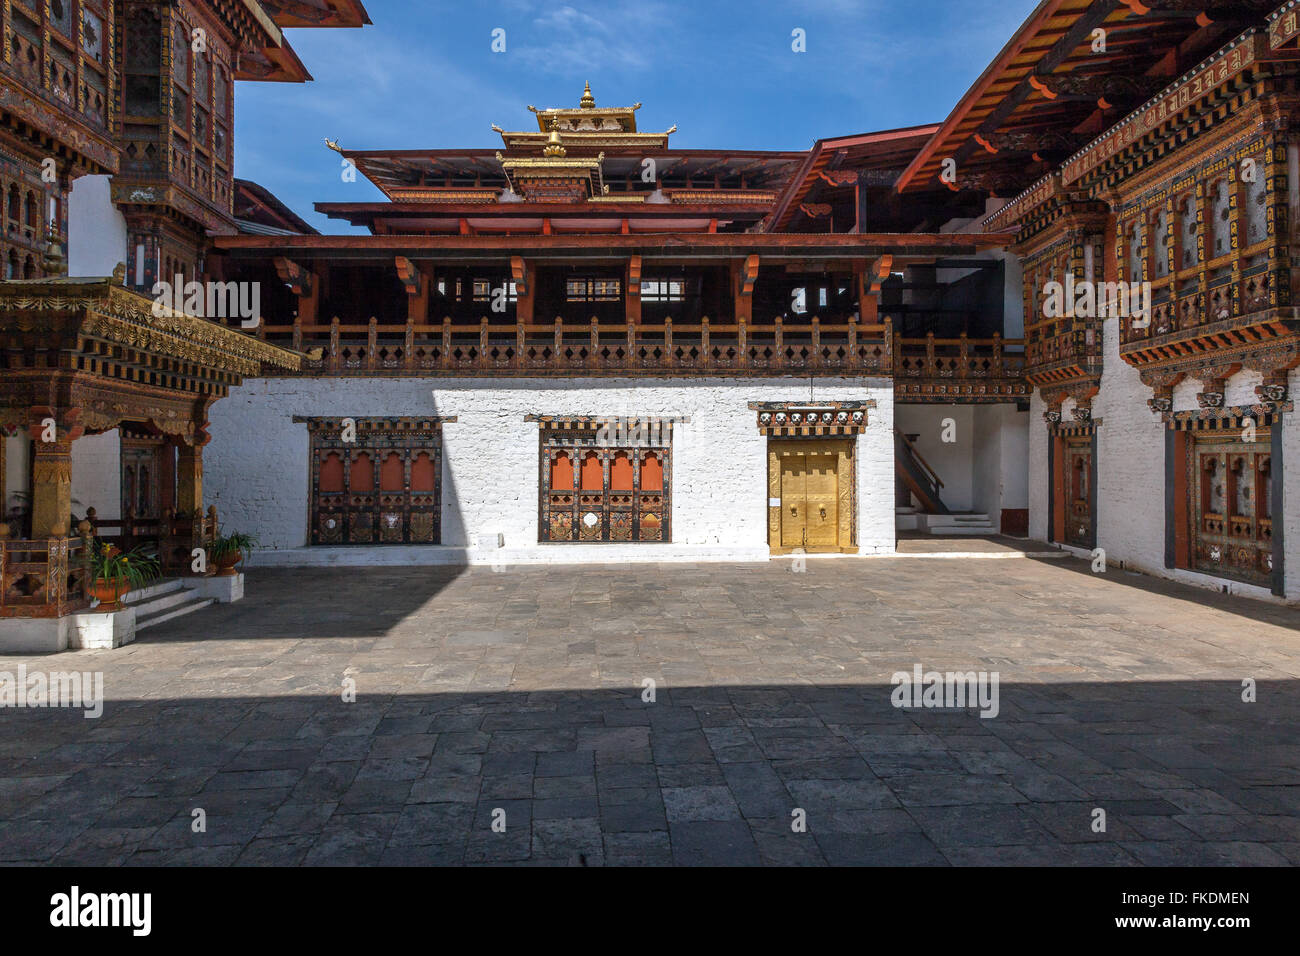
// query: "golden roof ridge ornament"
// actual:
[[588, 102], [333, 144], [554, 146]]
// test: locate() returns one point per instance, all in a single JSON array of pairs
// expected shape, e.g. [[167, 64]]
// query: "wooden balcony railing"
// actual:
[[589, 348], [960, 358], [46, 578], [50, 577], [1179, 304], [1076, 345]]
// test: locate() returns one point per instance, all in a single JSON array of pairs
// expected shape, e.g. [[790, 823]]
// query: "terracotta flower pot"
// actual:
[[228, 564], [108, 593]]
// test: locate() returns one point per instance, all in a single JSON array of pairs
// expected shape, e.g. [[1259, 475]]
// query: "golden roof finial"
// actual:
[[333, 144], [554, 147], [588, 102]]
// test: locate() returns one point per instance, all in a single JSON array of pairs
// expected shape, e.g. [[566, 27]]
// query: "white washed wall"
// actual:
[[97, 475], [96, 229], [16, 468], [1131, 471], [952, 461], [256, 469]]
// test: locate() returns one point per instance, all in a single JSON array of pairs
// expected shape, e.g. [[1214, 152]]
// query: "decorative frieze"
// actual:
[[812, 419]]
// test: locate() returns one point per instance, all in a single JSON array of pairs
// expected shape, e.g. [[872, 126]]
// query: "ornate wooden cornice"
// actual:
[[92, 150], [101, 309], [812, 419]]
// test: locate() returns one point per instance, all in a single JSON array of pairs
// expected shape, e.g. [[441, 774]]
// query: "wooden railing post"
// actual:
[[446, 342], [931, 367], [778, 358], [521, 338], [408, 345], [372, 344], [593, 354], [335, 359], [87, 534], [559, 341], [669, 358], [631, 341], [853, 341], [705, 358], [816, 342], [742, 342], [483, 342], [997, 370], [297, 332], [963, 365]]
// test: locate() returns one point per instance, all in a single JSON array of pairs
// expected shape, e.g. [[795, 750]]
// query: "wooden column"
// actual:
[[632, 304], [167, 477], [525, 297], [416, 283], [743, 276], [189, 469], [1058, 487], [52, 470]]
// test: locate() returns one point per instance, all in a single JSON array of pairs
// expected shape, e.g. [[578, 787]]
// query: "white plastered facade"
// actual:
[[256, 467], [1130, 518]]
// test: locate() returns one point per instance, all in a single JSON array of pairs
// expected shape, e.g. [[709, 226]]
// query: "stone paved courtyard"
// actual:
[[522, 691]]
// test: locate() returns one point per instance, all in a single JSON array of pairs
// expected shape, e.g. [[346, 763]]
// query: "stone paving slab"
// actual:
[[518, 700]]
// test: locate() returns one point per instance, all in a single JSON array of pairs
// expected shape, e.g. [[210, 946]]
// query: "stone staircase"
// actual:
[[907, 518], [163, 602], [958, 524]]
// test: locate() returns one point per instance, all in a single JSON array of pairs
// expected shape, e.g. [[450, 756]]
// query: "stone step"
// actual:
[[161, 602], [157, 589], [958, 524], [152, 614]]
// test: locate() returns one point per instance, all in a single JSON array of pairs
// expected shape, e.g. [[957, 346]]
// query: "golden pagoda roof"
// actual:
[[586, 125]]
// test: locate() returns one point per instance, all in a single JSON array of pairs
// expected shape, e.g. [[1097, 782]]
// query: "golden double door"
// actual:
[[811, 509]]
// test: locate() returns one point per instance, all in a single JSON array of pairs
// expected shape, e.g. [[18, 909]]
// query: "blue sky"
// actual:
[[424, 76]]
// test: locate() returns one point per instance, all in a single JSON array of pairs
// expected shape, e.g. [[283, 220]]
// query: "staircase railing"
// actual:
[[917, 474]]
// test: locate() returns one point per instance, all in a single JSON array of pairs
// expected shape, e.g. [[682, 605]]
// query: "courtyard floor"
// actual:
[[518, 697]]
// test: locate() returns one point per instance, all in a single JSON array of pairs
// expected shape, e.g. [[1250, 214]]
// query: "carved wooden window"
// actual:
[[1256, 201], [593, 290], [92, 35], [1161, 244], [61, 16], [382, 487], [1231, 507], [1220, 227], [1135, 253], [1187, 213], [605, 484]]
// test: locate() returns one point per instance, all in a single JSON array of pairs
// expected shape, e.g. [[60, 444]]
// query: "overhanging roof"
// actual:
[[1051, 88]]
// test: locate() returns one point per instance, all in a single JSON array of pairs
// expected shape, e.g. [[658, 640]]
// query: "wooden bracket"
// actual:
[[748, 276], [409, 273], [519, 272], [634, 276], [293, 275], [880, 272]]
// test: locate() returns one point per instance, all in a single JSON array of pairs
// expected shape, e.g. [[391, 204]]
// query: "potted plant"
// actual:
[[229, 550], [116, 572]]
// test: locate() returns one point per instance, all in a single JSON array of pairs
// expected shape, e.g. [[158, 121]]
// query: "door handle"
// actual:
[[795, 512], [823, 511]]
